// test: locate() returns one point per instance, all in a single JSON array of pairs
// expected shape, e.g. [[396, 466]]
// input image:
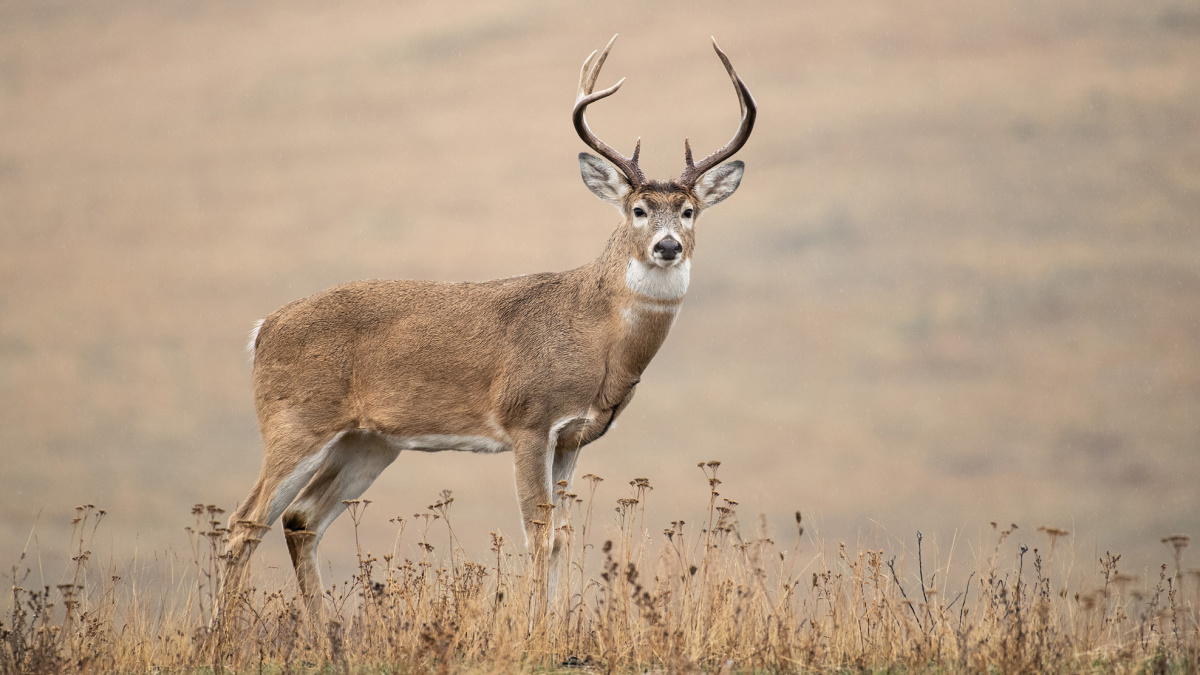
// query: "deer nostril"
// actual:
[[668, 248]]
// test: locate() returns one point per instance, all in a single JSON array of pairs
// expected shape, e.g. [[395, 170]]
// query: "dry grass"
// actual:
[[715, 596]]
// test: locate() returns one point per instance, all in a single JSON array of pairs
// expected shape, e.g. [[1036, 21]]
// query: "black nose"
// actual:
[[668, 248]]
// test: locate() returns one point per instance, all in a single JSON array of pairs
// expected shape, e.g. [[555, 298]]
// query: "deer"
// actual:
[[538, 365]]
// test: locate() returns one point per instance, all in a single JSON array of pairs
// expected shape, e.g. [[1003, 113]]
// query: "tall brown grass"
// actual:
[[713, 596]]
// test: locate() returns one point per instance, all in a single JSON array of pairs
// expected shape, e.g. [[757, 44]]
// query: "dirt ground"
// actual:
[[960, 282]]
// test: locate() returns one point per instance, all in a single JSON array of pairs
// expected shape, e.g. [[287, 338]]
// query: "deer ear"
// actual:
[[603, 180], [717, 184]]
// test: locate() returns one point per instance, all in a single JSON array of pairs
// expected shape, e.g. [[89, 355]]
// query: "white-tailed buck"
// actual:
[[539, 365]]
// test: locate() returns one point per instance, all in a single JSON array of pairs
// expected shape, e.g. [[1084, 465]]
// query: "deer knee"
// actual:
[[297, 530], [300, 540], [294, 521]]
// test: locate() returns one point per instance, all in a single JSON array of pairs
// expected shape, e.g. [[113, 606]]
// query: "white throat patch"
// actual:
[[660, 283]]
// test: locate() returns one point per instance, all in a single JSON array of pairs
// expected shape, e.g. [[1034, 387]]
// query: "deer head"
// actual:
[[659, 217]]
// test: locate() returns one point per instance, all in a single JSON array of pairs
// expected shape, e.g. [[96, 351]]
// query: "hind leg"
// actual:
[[289, 462], [353, 462]]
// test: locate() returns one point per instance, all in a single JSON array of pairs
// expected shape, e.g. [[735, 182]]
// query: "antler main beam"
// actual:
[[693, 171], [584, 97]]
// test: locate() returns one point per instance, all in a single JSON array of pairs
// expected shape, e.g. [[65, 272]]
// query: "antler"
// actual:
[[583, 98], [749, 112]]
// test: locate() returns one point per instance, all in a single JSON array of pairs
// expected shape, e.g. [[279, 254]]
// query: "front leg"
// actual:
[[533, 458]]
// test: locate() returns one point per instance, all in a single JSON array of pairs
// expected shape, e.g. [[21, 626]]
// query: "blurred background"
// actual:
[[959, 284]]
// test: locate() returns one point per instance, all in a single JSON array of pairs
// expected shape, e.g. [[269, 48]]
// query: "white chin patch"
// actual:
[[660, 283]]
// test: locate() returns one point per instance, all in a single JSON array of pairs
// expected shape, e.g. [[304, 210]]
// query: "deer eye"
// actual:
[[687, 213], [637, 211]]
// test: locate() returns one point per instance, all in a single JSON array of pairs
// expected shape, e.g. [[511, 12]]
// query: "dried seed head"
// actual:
[[1179, 541]]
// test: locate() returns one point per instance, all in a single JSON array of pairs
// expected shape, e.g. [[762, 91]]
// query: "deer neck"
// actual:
[[643, 301]]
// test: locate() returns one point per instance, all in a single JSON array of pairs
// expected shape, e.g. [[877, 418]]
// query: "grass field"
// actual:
[[717, 595]]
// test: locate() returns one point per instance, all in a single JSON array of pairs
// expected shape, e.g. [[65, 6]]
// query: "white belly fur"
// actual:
[[440, 442]]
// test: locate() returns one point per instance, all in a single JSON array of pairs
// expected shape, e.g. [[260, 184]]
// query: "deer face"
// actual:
[[659, 218]]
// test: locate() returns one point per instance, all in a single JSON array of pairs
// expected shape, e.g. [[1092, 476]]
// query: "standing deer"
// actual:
[[539, 365]]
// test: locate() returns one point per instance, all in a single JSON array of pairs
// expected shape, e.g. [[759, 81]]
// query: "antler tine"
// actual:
[[587, 76], [693, 171], [585, 97], [584, 88]]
